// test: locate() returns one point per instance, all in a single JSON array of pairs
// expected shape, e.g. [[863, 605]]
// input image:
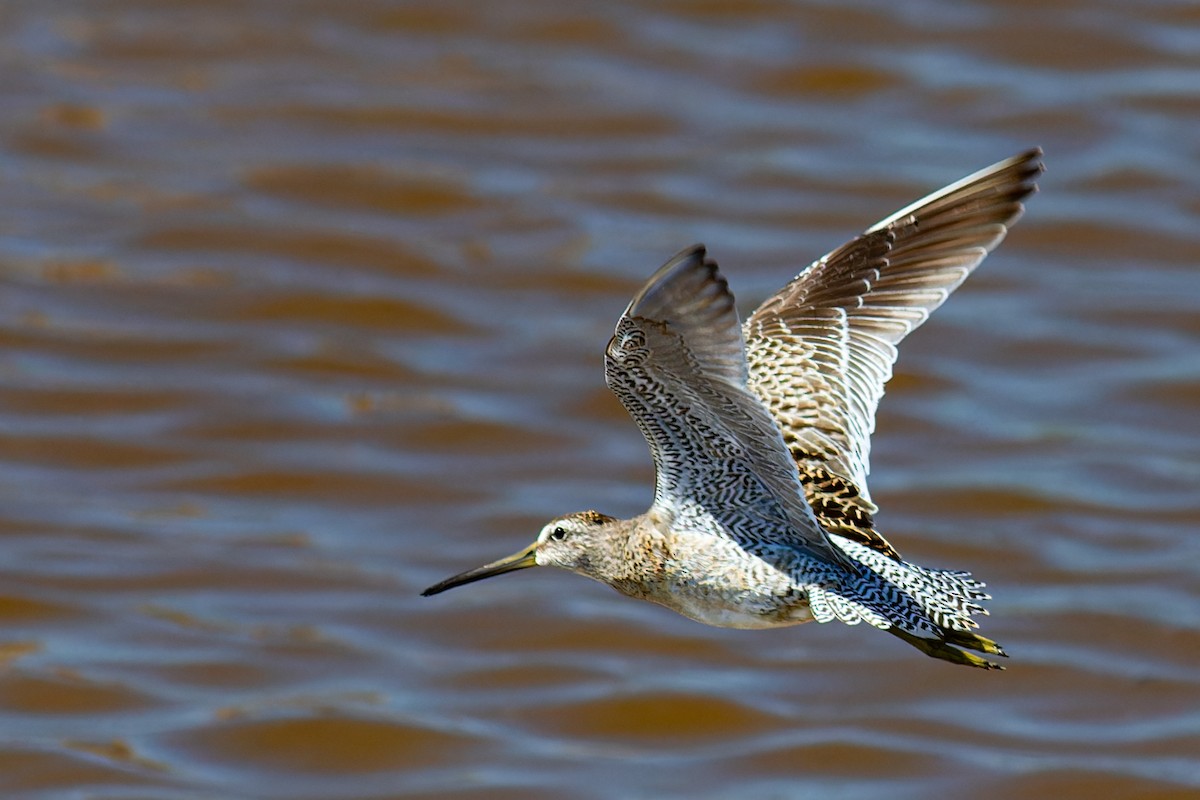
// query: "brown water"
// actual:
[[303, 309]]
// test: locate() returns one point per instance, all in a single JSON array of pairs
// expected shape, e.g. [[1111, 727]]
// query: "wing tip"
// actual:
[[1009, 181], [689, 284], [1031, 166]]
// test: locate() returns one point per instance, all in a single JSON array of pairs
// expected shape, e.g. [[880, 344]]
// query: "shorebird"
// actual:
[[760, 434]]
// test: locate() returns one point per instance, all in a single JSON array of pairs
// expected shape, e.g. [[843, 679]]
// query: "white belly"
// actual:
[[725, 616]]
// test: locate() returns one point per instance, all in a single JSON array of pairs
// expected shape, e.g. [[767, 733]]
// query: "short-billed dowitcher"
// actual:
[[760, 434]]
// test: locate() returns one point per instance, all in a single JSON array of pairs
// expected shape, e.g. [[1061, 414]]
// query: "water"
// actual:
[[303, 309]]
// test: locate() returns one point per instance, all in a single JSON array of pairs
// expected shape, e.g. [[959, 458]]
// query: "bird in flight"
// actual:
[[760, 434]]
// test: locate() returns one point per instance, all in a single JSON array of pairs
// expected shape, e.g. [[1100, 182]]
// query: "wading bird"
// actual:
[[760, 434]]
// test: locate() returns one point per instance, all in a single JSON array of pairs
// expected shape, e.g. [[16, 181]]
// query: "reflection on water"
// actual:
[[304, 308]]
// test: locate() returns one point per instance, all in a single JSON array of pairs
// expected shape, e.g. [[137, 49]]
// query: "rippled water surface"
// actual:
[[303, 309]]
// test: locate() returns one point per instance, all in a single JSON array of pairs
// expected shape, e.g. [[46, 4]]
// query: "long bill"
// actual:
[[522, 560]]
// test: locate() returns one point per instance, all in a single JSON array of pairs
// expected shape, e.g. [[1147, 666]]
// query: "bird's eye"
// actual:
[[558, 534]]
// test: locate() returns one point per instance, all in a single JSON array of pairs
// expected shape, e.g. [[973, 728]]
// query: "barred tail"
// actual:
[[930, 609]]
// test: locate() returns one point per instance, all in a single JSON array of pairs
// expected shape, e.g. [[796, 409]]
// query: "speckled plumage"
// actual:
[[761, 434]]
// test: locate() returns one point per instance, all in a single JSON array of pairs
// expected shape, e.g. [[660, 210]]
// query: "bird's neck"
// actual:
[[636, 552]]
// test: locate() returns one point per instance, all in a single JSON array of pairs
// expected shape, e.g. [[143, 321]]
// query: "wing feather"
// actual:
[[821, 350], [677, 363]]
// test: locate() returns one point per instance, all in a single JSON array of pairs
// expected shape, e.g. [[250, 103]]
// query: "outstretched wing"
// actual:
[[821, 349], [677, 363]]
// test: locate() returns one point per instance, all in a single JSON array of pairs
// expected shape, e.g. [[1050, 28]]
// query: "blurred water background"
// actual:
[[302, 308]]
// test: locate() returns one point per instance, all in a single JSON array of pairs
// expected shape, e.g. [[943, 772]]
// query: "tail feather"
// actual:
[[930, 609]]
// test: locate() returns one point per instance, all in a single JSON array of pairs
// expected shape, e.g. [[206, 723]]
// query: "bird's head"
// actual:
[[569, 542]]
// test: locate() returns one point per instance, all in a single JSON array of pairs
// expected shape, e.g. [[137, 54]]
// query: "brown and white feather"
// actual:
[[821, 350]]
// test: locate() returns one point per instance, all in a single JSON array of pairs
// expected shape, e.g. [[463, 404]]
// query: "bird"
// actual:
[[760, 434]]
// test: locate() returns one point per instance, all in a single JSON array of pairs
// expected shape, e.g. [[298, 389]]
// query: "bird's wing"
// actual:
[[822, 348], [677, 363]]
